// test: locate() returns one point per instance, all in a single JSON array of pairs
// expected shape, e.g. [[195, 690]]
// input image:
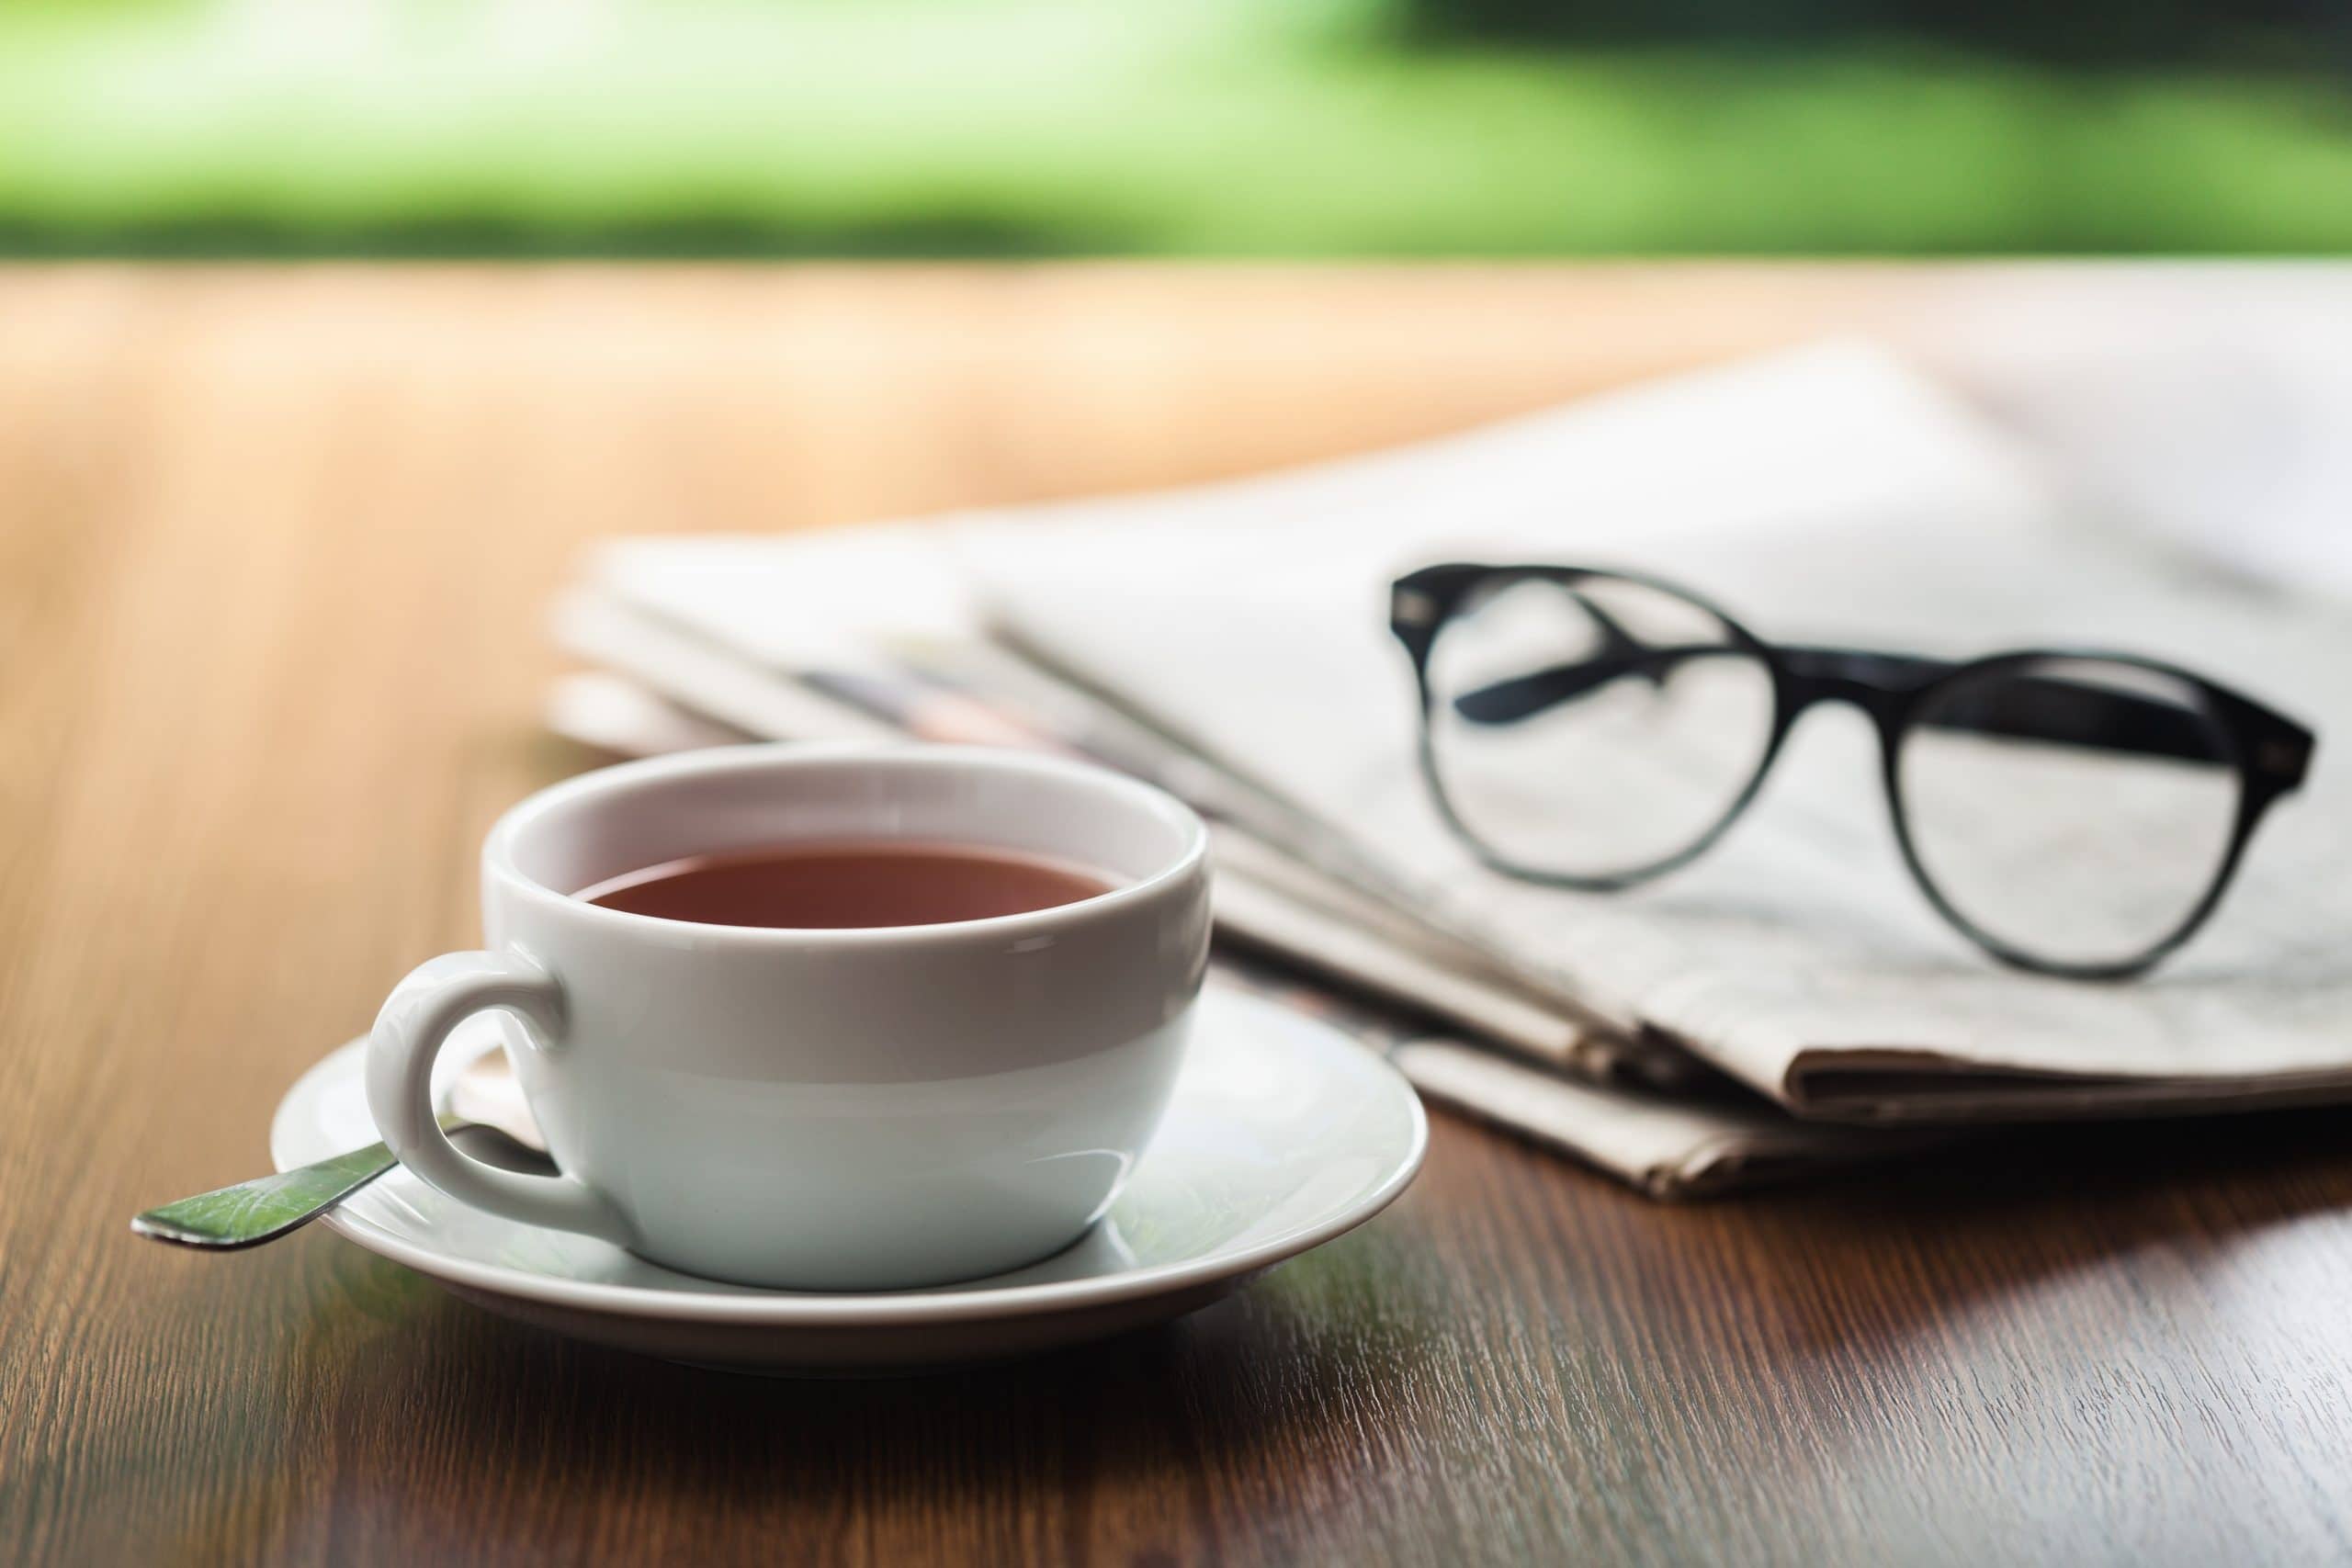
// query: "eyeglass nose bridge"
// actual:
[[1881, 684]]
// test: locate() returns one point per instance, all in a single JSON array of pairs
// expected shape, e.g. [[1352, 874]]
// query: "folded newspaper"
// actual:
[[1230, 640]]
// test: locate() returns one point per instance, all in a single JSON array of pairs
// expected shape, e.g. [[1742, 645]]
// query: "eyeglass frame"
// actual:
[[2269, 753]]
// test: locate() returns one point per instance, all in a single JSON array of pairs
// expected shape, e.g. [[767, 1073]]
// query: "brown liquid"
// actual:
[[837, 884]]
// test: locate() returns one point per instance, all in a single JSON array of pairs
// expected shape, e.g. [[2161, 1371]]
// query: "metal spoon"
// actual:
[[487, 1117]]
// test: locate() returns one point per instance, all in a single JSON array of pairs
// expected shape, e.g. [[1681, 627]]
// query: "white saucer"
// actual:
[[1282, 1135]]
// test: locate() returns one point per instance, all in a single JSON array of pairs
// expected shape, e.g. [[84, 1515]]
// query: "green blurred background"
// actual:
[[1278, 128]]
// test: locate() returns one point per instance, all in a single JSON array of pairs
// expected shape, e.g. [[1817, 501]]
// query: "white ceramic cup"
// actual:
[[823, 1110]]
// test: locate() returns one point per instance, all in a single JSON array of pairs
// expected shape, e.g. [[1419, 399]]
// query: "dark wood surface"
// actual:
[[274, 549]]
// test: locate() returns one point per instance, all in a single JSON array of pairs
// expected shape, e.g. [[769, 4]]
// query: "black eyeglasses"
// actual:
[[2071, 812]]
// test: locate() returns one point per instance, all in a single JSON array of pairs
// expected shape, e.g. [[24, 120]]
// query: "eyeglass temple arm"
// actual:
[[2029, 708], [1616, 642], [1518, 698]]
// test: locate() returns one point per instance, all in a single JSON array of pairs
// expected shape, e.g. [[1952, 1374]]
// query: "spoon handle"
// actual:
[[268, 1206]]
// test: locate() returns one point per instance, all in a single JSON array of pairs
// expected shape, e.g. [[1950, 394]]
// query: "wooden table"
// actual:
[[274, 549]]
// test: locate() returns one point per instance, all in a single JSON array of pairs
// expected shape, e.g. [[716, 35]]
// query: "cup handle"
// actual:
[[417, 1017]]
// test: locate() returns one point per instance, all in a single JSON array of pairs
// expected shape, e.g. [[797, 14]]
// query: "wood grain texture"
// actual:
[[274, 549]]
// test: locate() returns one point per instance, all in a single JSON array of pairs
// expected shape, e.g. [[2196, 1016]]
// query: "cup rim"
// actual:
[[499, 862]]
